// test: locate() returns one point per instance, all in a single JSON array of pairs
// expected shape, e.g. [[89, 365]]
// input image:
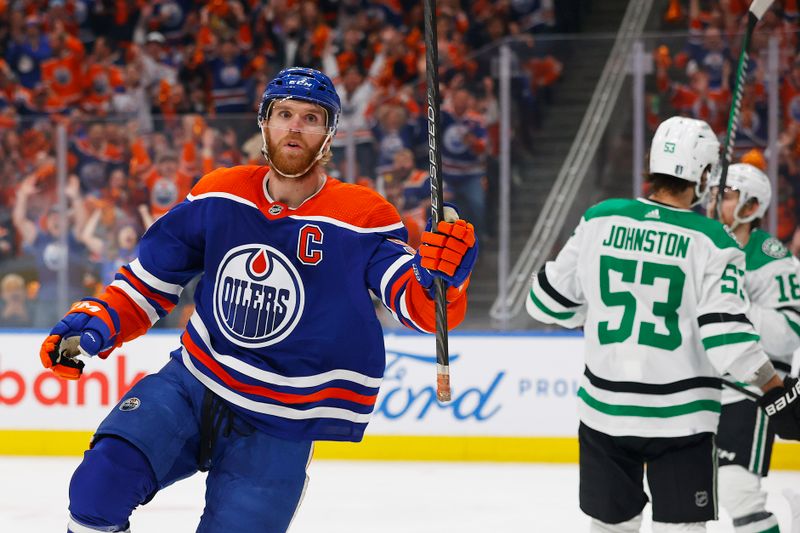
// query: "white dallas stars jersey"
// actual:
[[772, 281], [659, 292]]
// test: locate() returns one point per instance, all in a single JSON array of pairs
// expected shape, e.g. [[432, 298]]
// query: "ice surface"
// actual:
[[357, 497]]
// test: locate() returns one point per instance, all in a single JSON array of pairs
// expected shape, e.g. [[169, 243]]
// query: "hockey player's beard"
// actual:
[[288, 164]]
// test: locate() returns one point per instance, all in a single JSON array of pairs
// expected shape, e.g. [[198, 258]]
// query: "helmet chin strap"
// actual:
[[737, 220], [699, 195]]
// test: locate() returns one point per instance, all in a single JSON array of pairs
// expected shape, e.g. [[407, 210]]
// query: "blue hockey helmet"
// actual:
[[306, 84]]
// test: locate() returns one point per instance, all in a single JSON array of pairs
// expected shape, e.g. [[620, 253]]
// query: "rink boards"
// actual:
[[514, 399]]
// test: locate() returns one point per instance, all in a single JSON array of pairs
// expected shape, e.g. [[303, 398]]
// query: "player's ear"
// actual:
[[750, 207]]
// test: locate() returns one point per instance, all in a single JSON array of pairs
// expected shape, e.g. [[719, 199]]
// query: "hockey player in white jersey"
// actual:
[[772, 283], [658, 290]]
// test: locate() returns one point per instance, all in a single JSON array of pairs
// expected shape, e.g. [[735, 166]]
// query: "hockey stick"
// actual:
[[435, 161], [738, 388], [757, 10]]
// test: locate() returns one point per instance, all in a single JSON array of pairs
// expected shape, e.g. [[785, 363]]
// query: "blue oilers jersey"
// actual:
[[460, 160], [229, 86], [284, 327]]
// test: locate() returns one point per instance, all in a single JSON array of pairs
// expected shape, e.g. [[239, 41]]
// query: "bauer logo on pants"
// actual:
[[259, 296]]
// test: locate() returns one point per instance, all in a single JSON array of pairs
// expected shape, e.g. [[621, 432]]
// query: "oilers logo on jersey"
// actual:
[[259, 296]]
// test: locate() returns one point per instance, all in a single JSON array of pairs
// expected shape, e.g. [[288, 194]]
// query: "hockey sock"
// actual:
[[111, 481], [756, 523], [794, 504], [684, 527], [629, 526]]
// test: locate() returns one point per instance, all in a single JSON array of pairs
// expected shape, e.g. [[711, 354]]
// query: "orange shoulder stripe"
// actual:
[[351, 204], [243, 181]]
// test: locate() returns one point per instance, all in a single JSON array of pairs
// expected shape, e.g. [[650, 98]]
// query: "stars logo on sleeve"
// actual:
[[774, 248]]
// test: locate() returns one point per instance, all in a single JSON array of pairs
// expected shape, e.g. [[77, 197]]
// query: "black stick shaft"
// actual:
[[757, 9], [733, 116], [738, 388], [435, 160]]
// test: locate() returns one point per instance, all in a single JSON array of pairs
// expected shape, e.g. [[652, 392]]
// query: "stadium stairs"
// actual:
[[535, 166]]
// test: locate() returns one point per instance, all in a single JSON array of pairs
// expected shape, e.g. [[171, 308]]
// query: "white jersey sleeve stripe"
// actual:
[[277, 379], [714, 331], [351, 227], [138, 299], [406, 315], [224, 195], [271, 409], [390, 272], [140, 272]]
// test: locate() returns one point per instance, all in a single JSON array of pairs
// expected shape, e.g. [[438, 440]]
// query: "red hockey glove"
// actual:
[[449, 253], [89, 328]]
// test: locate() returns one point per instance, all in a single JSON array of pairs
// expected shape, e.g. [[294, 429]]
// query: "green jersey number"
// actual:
[[667, 309], [731, 281], [789, 287]]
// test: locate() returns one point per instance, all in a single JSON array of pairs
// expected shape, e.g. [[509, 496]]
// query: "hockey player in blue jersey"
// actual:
[[284, 347]]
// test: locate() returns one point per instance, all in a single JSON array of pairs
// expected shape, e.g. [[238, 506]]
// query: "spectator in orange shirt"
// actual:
[[225, 19], [351, 49], [697, 99], [395, 65], [167, 186], [319, 34], [63, 73], [102, 78], [40, 102]]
